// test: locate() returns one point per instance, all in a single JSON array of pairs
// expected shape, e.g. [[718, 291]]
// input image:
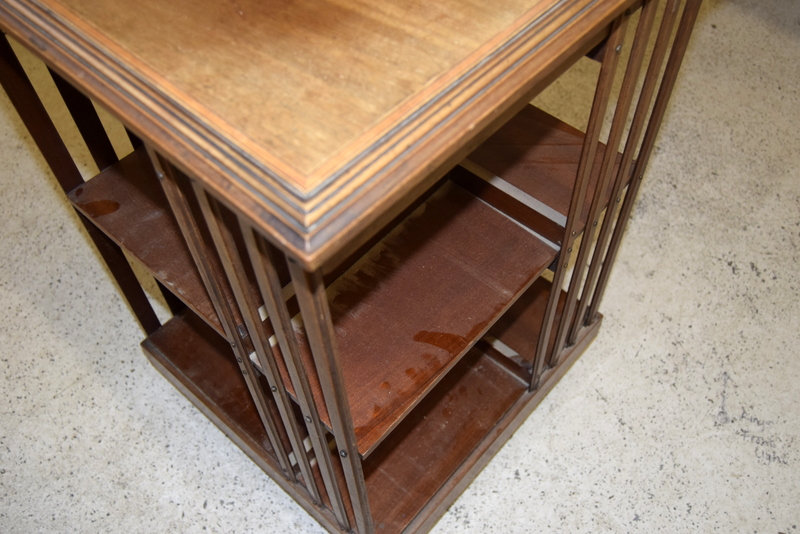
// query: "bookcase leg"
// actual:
[[313, 302], [202, 254], [44, 133], [680, 43], [599, 105]]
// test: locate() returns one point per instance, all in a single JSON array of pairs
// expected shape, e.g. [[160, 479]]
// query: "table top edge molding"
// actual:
[[393, 158]]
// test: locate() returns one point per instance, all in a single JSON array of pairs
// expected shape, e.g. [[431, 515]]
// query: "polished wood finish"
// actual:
[[192, 93], [456, 413], [354, 214], [411, 466], [142, 223], [520, 328], [201, 365], [533, 160], [394, 336]]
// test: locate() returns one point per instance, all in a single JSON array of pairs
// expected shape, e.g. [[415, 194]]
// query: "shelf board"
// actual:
[[534, 159], [423, 452], [417, 301], [395, 338], [127, 203], [201, 365], [435, 452]]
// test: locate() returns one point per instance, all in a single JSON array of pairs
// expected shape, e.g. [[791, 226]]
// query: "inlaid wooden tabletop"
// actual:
[[314, 119]]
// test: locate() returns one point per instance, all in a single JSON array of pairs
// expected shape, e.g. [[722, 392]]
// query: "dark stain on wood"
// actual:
[[452, 343], [99, 208]]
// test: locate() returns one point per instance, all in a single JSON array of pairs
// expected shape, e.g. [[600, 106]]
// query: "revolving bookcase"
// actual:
[[378, 255]]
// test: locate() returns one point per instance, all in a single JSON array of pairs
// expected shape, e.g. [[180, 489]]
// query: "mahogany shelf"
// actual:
[[128, 204], [519, 328], [424, 451], [395, 337], [405, 471], [201, 365]]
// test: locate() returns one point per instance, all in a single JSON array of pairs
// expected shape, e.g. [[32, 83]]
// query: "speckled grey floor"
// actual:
[[681, 417]]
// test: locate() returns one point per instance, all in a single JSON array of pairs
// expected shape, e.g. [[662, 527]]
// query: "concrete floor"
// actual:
[[681, 417]]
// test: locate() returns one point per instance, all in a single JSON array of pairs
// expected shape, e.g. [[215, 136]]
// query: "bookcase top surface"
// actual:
[[309, 117]]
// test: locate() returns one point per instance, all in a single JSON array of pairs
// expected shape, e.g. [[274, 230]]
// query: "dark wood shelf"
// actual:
[[395, 338], [418, 300], [529, 166], [519, 328], [200, 363], [127, 203], [424, 451]]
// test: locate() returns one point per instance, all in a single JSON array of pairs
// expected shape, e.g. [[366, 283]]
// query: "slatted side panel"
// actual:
[[577, 189], [42, 128], [639, 112], [248, 283], [607, 255]]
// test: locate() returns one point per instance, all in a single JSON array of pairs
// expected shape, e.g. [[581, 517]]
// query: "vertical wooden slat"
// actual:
[[631, 145], [237, 276], [264, 261], [23, 97], [88, 122], [679, 46], [310, 290], [34, 115], [567, 334], [212, 279], [591, 139]]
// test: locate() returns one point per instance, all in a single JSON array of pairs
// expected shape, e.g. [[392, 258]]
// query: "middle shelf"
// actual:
[[418, 300]]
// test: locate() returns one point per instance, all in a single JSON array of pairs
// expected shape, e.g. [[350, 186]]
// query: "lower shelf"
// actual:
[[201, 365], [421, 467]]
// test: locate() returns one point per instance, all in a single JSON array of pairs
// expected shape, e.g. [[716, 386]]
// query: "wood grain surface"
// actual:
[[309, 118]]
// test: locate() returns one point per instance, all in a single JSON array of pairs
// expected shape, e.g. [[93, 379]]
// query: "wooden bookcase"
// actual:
[[370, 320]]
